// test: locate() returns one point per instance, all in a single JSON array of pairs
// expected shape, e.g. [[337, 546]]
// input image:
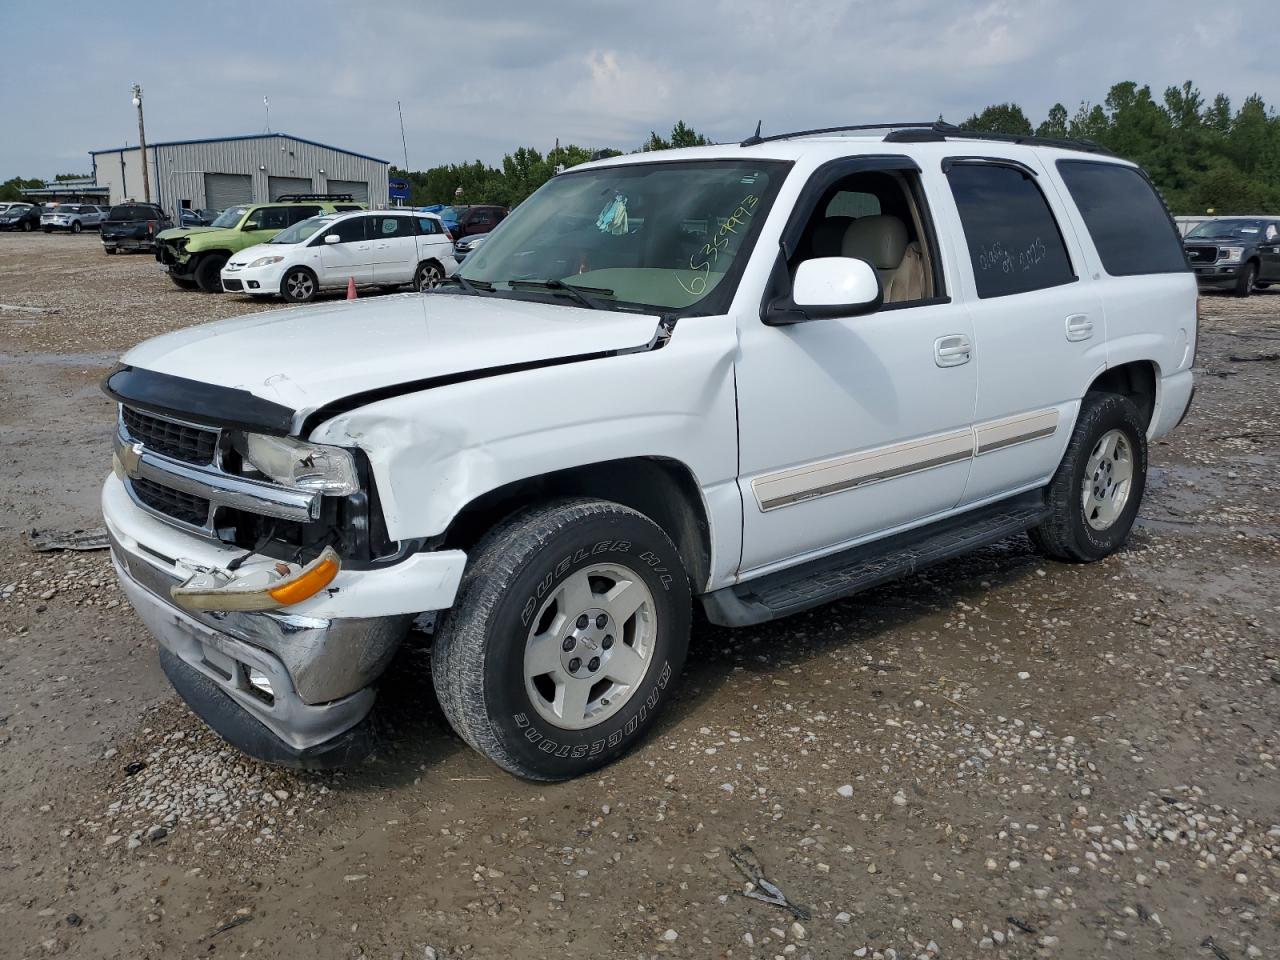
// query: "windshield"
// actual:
[[229, 217], [1238, 229], [666, 236], [301, 230]]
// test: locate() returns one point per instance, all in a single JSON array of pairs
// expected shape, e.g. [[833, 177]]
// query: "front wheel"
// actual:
[[75, 226], [1248, 277], [429, 275], [1097, 489], [299, 285], [208, 272], [566, 638]]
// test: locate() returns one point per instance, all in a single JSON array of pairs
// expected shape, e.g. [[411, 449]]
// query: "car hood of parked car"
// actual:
[[308, 357]]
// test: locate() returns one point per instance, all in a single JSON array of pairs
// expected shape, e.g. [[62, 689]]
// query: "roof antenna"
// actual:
[[752, 140]]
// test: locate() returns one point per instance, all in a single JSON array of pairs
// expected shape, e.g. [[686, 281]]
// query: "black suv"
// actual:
[[1241, 254]]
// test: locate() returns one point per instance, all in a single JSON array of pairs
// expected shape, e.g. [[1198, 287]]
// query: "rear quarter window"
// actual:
[[1013, 239], [1126, 218]]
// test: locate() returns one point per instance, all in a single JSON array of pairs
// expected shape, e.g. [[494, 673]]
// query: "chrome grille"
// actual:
[[170, 438], [172, 503]]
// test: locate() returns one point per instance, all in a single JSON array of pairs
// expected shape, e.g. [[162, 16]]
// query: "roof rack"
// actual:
[[933, 131], [941, 130], [755, 138], [296, 197]]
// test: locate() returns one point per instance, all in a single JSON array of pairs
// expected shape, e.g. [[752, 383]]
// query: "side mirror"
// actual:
[[332, 238], [828, 287]]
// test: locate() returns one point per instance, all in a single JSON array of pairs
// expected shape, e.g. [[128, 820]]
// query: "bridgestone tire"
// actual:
[[208, 272], [478, 658], [1066, 534]]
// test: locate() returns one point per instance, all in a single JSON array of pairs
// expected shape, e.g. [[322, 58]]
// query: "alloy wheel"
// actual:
[[1108, 478], [590, 646]]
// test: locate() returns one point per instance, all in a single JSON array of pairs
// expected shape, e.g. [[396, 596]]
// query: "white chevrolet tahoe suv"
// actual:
[[757, 377]]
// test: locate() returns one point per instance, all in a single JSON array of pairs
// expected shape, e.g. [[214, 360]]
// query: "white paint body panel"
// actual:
[[752, 412]]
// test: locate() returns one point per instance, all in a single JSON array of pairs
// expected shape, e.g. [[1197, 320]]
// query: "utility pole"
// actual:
[[403, 143], [142, 143]]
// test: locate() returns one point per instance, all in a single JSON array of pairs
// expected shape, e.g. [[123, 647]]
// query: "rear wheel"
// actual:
[[568, 632], [299, 285], [1097, 489], [208, 272], [1248, 277], [28, 226], [429, 275]]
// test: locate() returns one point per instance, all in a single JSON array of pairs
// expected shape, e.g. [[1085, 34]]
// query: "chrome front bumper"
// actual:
[[320, 670]]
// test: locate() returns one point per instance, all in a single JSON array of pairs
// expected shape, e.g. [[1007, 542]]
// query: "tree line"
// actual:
[[1202, 154]]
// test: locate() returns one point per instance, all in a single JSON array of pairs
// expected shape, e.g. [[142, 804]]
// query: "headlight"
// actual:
[[1230, 254], [307, 466], [265, 262]]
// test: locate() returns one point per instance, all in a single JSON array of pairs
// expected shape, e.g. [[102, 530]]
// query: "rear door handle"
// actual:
[[952, 350], [1079, 327]]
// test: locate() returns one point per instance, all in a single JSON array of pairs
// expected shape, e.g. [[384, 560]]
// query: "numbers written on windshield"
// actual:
[[700, 262]]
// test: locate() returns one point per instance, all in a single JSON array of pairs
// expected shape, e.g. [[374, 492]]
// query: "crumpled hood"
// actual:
[[173, 233], [307, 357]]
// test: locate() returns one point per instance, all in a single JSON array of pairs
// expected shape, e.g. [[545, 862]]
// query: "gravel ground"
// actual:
[[1002, 757]]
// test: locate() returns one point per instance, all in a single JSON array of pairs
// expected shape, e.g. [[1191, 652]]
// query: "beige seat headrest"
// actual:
[[880, 240]]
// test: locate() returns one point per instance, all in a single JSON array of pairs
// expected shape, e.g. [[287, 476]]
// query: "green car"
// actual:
[[194, 256]]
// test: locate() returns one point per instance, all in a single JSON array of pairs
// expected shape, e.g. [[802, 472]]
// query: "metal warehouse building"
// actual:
[[218, 173]]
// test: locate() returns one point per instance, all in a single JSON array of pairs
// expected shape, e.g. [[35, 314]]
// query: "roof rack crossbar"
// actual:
[[941, 130], [755, 138], [295, 197]]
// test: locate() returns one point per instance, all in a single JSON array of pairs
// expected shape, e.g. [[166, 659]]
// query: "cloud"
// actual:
[[476, 80]]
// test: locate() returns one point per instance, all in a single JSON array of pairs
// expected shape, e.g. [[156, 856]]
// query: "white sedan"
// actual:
[[384, 248]]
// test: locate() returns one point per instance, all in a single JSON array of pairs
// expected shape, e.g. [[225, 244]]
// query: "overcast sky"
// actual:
[[477, 79]]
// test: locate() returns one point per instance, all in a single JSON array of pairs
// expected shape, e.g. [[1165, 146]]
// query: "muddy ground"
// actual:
[[1003, 756]]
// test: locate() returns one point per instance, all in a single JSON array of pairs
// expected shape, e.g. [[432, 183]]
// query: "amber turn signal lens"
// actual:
[[307, 585]]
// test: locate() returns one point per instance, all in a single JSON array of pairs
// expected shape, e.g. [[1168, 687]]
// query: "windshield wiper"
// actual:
[[579, 294], [470, 286]]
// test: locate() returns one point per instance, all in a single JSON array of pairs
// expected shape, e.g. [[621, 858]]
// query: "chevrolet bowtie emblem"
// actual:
[[130, 458]]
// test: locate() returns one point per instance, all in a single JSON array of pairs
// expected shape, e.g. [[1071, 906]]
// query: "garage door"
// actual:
[[359, 189], [278, 187], [222, 190]]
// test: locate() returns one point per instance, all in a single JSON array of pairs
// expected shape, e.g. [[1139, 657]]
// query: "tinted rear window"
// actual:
[[131, 211], [1014, 241], [1127, 220]]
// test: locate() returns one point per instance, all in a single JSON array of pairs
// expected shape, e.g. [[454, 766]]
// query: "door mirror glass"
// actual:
[[836, 287], [332, 238]]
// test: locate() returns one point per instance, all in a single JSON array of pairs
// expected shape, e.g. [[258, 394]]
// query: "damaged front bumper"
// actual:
[[291, 686]]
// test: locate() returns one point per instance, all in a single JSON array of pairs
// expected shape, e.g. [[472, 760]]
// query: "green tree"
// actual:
[[12, 188], [1001, 118], [1055, 124]]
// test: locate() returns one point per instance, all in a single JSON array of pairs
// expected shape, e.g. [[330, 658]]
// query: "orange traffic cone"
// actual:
[[351, 288]]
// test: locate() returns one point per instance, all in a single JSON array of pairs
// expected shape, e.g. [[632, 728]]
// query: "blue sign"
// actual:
[[398, 189]]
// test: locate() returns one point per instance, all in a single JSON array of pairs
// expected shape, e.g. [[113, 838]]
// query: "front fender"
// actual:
[[435, 451]]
